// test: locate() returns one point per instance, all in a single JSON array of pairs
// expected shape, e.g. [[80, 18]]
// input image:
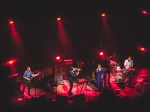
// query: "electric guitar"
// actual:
[[28, 80]]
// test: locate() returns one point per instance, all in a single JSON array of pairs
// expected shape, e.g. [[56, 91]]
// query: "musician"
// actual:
[[128, 63], [72, 76], [26, 76], [99, 77], [106, 66]]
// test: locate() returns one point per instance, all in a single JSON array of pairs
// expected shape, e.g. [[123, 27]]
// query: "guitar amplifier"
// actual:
[[66, 72], [41, 74], [48, 71], [58, 72]]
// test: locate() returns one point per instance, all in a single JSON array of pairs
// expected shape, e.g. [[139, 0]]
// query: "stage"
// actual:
[[85, 95]]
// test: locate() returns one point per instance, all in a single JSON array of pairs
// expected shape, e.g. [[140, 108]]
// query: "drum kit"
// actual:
[[120, 75]]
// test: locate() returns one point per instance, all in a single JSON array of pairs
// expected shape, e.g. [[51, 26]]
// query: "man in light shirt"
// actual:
[[128, 63]]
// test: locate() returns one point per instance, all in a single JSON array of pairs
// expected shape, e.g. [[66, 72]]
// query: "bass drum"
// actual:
[[118, 78]]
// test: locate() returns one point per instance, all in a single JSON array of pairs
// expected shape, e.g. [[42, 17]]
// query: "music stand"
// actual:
[[82, 84]]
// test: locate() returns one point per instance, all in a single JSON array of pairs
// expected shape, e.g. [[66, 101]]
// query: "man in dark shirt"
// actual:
[[72, 75], [106, 66]]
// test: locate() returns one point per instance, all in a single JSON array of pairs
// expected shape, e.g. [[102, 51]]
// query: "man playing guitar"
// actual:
[[27, 80]]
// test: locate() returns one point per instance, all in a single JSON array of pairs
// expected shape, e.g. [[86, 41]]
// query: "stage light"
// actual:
[[58, 19], [10, 62], [57, 57], [103, 15], [11, 22], [142, 49], [144, 12], [101, 53]]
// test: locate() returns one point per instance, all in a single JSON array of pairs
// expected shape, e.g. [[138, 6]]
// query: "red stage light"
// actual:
[[144, 12], [142, 49], [11, 22], [11, 62], [58, 58], [103, 15], [101, 53], [58, 19]]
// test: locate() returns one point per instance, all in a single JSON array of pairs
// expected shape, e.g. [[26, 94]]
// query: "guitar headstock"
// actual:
[[37, 74]]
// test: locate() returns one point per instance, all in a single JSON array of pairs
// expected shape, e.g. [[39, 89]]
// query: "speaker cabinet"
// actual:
[[58, 72], [41, 74], [48, 71], [66, 72]]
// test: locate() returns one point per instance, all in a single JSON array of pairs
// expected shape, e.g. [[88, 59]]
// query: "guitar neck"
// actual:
[[34, 75]]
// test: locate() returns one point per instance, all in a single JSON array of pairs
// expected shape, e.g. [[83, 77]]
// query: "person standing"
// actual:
[[106, 66], [128, 63], [72, 75], [99, 77], [27, 80]]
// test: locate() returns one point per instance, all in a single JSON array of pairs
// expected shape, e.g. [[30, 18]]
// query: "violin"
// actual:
[[77, 69]]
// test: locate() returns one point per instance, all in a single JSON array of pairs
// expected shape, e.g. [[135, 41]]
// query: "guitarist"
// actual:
[[27, 80], [72, 75]]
